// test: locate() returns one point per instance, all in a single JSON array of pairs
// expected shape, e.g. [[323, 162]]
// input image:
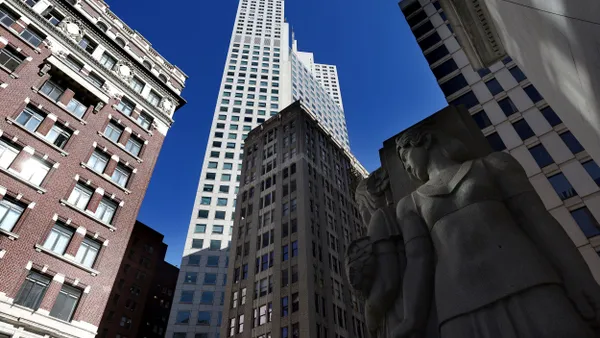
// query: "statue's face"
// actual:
[[415, 160]]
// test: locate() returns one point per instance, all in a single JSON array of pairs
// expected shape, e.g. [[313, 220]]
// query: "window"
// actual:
[[52, 90], [30, 119], [197, 243], [31, 3], [35, 171], [98, 161], [194, 260], [294, 248], [215, 244], [144, 120], [571, 142], [66, 302], [445, 68], [58, 136], [106, 210], [187, 296], [586, 221], [32, 36], [87, 253], [200, 228], [210, 279], [592, 168], [551, 116], [10, 58], [533, 94], [9, 214], [125, 106], [76, 108], [284, 306], [295, 302], [482, 119], [32, 291], [183, 317], [203, 318], [217, 229], [429, 42], [7, 18], [96, 80], [153, 98], [88, 44], [58, 239], [202, 213], [496, 142], [562, 186], [284, 253], [541, 155], [494, 87], [436, 54], [207, 297], [103, 27], [453, 85], [80, 196], [147, 64], [468, 99], [190, 278], [517, 74], [121, 175], [136, 84], [523, 129], [212, 261], [219, 214], [508, 107], [133, 146], [120, 42]]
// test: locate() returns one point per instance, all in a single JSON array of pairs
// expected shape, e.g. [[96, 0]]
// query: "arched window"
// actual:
[[102, 26], [162, 78], [147, 64], [120, 42]]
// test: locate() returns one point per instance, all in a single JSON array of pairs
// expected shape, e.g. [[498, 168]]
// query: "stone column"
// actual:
[[66, 97], [47, 124], [125, 135], [24, 155], [95, 200], [75, 243], [111, 166], [51, 294]]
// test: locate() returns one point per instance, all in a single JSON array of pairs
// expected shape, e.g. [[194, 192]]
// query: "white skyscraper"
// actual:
[[262, 76]]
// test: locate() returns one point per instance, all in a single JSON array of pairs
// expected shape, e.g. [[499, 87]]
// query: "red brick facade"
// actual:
[[22, 247]]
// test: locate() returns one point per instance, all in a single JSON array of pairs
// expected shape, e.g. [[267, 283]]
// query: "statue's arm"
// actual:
[[417, 286], [548, 235]]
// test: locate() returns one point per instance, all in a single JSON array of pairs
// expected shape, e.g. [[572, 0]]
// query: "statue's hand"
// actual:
[[586, 299], [406, 329]]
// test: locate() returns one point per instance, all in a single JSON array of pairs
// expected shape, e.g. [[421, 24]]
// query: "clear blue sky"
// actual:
[[385, 81]]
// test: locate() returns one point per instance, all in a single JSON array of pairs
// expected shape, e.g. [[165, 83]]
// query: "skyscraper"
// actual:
[[262, 75], [515, 118]]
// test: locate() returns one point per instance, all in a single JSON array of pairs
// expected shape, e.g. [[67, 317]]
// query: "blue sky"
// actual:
[[385, 81]]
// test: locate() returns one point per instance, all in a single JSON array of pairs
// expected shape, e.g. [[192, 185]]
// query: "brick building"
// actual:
[[85, 105], [141, 297]]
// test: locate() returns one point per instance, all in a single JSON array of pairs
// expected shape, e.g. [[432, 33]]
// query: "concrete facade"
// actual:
[[77, 145], [515, 118], [293, 222]]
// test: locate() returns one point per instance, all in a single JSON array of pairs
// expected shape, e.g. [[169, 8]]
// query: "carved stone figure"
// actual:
[[374, 263], [478, 236]]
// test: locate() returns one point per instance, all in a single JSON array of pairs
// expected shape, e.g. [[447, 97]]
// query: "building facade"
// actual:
[[294, 220], [262, 74], [141, 297], [86, 105], [515, 118]]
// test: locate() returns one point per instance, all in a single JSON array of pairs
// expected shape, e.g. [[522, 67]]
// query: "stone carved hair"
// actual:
[[451, 147]]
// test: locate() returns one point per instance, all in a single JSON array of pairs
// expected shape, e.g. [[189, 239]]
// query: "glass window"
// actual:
[[187, 296], [541, 155], [190, 277], [429, 42], [445, 68], [219, 214], [7, 154], [207, 297], [98, 161], [571, 142], [153, 98], [551, 116], [183, 317], [197, 243], [32, 290], [80, 196], [125, 106], [58, 239], [7, 18], [468, 99], [32, 36], [586, 221], [482, 119], [87, 44], [203, 318], [87, 253], [496, 142], [202, 213], [215, 244], [508, 107], [436, 54], [212, 261], [106, 210], [453, 85], [66, 302], [592, 168], [10, 58], [9, 214], [108, 61], [52, 90], [145, 120], [200, 228], [217, 229], [562, 186], [523, 129], [494, 87], [517, 74], [133, 146], [35, 171], [58, 136], [222, 202], [121, 175], [136, 84], [194, 260], [533, 94], [210, 279], [30, 119], [76, 108]]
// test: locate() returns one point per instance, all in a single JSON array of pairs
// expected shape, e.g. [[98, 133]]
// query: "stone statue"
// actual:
[[476, 237]]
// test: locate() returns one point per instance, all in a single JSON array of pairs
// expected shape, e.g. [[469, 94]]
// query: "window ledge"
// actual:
[[132, 120], [90, 216], [106, 178], [38, 136], [59, 105], [39, 189], [121, 146], [11, 235], [92, 272], [15, 33]]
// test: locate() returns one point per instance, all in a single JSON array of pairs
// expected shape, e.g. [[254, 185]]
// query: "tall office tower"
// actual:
[[86, 104], [294, 220], [262, 74], [515, 118]]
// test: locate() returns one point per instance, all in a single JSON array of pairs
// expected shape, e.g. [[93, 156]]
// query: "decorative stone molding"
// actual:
[[124, 70], [167, 105], [45, 68], [72, 28]]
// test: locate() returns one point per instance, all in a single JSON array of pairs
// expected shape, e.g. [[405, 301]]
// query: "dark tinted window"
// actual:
[[507, 60], [483, 72], [482, 119], [423, 29], [437, 5], [508, 107], [436, 54], [429, 41], [523, 129], [417, 18], [533, 94], [468, 99], [494, 87], [586, 221], [496, 142], [592, 168], [562, 186], [444, 69], [413, 7], [541, 156], [571, 142], [551, 116], [517, 74], [454, 84]]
